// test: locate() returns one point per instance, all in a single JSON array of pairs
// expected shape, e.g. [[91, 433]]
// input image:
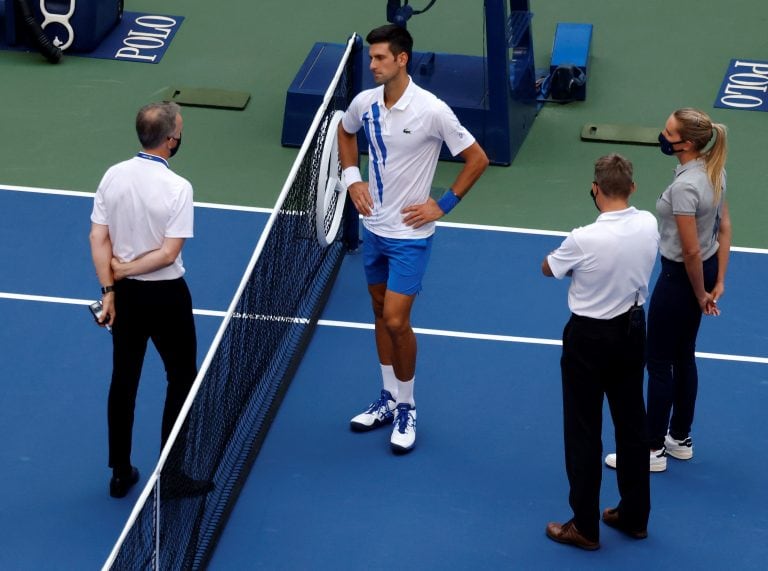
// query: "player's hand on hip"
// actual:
[[417, 215], [361, 198]]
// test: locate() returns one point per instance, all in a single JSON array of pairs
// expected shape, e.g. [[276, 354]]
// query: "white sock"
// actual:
[[391, 383], [405, 392]]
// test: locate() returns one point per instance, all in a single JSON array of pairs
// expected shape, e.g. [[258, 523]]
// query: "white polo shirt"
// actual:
[[142, 201], [611, 260], [404, 145]]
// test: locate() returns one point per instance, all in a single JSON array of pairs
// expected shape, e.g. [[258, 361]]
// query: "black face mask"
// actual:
[[175, 149], [593, 196], [667, 146]]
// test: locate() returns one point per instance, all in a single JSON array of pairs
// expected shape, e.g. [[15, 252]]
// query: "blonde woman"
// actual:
[[695, 230]]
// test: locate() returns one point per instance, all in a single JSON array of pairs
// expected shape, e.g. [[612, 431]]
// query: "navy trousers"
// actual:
[[674, 317]]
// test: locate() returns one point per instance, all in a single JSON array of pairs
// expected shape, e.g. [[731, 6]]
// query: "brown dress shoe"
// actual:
[[568, 534], [611, 518]]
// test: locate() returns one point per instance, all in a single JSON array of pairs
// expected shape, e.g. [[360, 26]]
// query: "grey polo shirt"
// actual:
[[690, 194]]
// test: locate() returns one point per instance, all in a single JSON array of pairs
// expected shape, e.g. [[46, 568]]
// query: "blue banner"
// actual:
[[138, 37], [745, 86]]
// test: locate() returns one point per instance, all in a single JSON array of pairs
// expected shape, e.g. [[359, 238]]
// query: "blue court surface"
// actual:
[[488, 471]]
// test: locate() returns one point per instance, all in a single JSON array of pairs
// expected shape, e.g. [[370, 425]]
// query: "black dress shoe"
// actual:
[[568, 534], [611, 518], [122, 482]]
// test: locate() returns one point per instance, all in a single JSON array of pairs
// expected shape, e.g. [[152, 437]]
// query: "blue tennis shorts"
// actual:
[[398, 263]]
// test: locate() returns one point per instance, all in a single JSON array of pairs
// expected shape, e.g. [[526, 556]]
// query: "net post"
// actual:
[[351, 228], [357, 68]]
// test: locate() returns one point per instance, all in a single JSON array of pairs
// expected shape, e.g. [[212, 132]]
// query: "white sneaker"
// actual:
[[378, 413], [404, 433], [680, 449], [658, 461]]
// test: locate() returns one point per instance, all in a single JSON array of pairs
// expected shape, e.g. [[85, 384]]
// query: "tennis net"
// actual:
[[184, 506]]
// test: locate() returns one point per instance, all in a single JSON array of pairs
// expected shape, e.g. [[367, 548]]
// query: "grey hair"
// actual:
[[156, 122]]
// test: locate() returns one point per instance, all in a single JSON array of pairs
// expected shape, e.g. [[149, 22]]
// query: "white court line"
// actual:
[[502, 229], [369, 326], [445, 333], [532, 340], [749, 250], [75, 301], [442, 333], [535, 231], [269, 210], [91, 195]]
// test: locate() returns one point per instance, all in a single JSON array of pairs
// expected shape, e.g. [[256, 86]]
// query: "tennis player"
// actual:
[[609, 263], [142, 214], [405, 127]]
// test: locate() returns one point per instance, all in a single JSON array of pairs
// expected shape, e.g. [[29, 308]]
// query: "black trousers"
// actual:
[[674, 317], [160, 311], [605, 357]]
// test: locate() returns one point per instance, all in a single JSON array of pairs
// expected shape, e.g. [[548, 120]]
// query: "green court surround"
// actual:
[[63, 125]]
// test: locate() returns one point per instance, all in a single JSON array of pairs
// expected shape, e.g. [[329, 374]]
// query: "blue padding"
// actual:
[[305, 93], [571, 47]]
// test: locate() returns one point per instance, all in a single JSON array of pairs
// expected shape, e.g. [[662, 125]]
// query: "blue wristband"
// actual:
[[448, 201]]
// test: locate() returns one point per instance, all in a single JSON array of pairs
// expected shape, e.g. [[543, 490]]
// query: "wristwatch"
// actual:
[[107, 289]]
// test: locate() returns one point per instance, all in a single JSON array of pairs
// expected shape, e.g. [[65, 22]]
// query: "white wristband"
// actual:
[[350, 176]]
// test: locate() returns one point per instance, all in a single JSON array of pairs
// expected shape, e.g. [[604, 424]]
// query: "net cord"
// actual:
[[155, 477]]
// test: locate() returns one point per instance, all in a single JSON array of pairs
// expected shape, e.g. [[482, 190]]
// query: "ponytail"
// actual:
[[697, 127], [715, 159]]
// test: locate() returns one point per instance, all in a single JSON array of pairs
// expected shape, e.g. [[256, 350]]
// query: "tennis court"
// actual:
[[487, 473], [488, 470]]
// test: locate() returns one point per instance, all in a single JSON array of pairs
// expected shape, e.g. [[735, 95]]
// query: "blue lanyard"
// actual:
[[155, 158]]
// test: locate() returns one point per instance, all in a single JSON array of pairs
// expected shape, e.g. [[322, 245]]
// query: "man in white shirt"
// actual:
[[142, 215], [609, 263], [405, 127]]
